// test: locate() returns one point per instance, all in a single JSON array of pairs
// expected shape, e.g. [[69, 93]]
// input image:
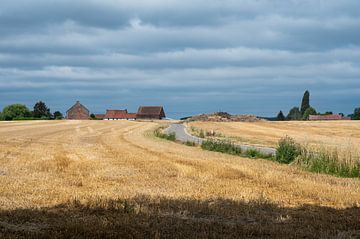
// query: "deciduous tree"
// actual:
[[41, 110], [294, 114], [309, 111], [14, 111]]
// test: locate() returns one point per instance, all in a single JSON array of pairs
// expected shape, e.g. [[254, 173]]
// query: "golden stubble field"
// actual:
[[110, 179], [345, 134]]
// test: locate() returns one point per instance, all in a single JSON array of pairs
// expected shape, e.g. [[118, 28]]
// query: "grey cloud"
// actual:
[[193, 56]]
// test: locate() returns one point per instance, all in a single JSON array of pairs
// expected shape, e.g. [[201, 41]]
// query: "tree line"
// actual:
[[22, 112], [306, 110]]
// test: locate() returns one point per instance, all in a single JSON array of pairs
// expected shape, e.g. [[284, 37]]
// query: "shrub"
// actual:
[[287, 150]]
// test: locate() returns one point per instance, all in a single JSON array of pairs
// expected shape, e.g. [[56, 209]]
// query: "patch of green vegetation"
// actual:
[[253, 153], [287, 150], [327, 162], [190, 143], [322, 161], [158, 133], [228, 147]]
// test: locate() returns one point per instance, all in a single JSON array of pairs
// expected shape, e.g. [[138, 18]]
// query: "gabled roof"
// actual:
[[77, 104], [150, 110], [116, 114]]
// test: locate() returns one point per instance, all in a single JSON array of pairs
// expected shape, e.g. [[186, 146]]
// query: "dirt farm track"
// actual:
[[114, 179]]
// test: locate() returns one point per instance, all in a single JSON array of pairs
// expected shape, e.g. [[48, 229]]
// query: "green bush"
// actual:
[[13, 111], [287, 150]]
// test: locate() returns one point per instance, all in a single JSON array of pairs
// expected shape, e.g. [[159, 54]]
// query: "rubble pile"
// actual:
[[224, 117]]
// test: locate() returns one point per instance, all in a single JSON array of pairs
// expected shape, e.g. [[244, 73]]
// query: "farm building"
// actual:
[[327, 117], [99, 116], [78, 112], [150, 112], [119, 115]]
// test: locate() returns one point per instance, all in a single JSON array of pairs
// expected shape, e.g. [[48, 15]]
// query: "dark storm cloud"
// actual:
[[193, 56]]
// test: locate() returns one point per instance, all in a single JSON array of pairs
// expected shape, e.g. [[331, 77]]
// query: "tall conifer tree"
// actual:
[[305, 104]]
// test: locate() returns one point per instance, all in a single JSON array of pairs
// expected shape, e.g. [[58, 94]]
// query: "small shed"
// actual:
[[150, 112], [78, 112]]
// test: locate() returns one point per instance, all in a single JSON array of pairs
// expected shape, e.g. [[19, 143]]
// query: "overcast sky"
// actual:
[[192, 56]]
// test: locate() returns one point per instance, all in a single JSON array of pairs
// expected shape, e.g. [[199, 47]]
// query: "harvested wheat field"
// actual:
[[114, 179], [267, 133]]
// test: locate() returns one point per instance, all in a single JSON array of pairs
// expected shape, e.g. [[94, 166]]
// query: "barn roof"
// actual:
[[150, 110], [77, 104], [131, 115], [99, 116], [116, 114], [327, 117]]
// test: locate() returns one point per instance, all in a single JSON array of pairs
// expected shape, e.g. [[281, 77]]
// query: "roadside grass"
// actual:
[[189, 143], [158, 133], [288, 151], [228, 147], [328, 161], [323, 160], [222, 146]]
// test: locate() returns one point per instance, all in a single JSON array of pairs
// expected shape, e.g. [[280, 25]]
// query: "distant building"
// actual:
[[99, 116], [150, 112], [119, 115], [328, 117], [78, 112]]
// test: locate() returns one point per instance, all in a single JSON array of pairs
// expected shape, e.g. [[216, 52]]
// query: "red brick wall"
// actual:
[[78, 112]]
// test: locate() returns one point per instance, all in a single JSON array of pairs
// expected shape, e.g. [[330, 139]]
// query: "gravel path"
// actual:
[[183, 136]]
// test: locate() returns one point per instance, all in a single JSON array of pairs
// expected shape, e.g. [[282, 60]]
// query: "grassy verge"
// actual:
[[228, 147], [158, 133], [288, 152]]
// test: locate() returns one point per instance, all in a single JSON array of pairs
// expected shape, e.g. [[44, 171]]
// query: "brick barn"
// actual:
[[77, 112], [150, 112]]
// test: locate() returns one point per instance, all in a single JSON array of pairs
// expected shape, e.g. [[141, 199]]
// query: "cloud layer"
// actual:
[[241, 56]]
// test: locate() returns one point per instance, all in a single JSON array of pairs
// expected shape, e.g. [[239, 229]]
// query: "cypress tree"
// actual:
[[305, 103]]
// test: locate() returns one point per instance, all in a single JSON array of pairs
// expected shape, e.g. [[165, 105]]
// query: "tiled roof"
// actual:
[[327, 117], [150, 110], [99, 116], [76, 105], [116, 114], [119, 114]]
